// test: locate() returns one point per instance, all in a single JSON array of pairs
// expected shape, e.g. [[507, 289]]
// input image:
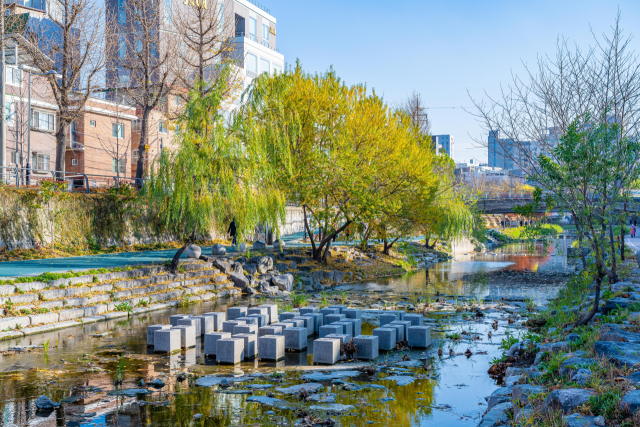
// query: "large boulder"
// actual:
[[613, 333], [610, 348], [241, 247], [555, 347], [193, 251], [498, 415], [218, 250], [579, 420], [573, 364], [632, 399], [617, 304], [239, 280], [521, 392], [258, 245], [265, 288], [284, 282], [500, 395], [251, 269], [237, 267], [222, 266], [282, 267], [566, 400], [264, 263]]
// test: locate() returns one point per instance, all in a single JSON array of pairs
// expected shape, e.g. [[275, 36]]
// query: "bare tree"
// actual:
[[73, 35], [588, 100], [205, 32], [147, 64], [415, 108]]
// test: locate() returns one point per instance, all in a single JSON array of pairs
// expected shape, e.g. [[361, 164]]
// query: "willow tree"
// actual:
[[214, 175], [351, 155]]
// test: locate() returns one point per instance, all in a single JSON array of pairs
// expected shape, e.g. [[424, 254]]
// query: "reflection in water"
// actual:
[[82, 368]]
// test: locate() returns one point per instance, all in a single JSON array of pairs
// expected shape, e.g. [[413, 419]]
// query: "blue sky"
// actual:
[[440, 48]]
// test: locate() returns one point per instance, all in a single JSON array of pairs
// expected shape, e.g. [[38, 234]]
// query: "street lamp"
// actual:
[[48, 73]]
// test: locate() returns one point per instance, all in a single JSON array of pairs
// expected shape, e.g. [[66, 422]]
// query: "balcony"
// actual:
[[255, 39], [255, 3]]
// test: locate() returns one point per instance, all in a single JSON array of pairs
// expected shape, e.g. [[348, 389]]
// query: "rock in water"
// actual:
[[44, 402], [218, 249]]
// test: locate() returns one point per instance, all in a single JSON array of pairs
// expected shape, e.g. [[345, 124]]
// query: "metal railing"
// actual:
[[501, 195], [19, 177], [255, 39], [255, 3]]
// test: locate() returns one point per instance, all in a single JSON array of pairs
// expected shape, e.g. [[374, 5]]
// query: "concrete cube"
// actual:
[[245, 329], [339, 307], [400, 314], [326, 351], [347, 327], [399, 331], [297, 322], [191, 322], [206, 324], [406, 325], [151, 330], [235, 312], [230, 324], [270, 330], [415, 319], [283, 325], [272, 311], [352, 313], [387, 318], [345, 338], [295, 339], [287, 315], [210, 342], [308, 323], [263, 319], [367, 347], [332, 318], [166, 340], [356, 325], [318, 320], [309, 310], [386, 338], [271, 347], [173, 319], [330, 329], [258, 310], [328, 310], [187, 335], [419, 336], [230, 350], [250, 347], [249, 320], [218, 318]]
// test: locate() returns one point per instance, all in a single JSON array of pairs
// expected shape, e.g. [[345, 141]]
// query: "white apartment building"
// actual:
[[443, 142]]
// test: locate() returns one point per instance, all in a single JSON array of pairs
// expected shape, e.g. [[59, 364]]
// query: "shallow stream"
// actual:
[[86, 366]]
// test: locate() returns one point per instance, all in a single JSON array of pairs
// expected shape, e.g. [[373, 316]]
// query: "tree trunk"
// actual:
[[388, 245], [596, 301], [309, 231], [326, 251], [426, 242], [61, 149], [584, 259], [317, 253], [176, 258], [144, 136]]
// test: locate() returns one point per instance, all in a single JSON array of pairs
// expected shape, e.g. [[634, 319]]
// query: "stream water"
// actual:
[[85, 366]]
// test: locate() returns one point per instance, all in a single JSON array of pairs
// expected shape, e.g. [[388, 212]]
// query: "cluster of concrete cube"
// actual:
[[245, 333]]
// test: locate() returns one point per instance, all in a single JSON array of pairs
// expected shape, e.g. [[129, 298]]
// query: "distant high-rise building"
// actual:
[[443, 142], [506, 153]]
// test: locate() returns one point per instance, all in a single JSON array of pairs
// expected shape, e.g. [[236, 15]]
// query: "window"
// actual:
[[277, 69], [168, 12], [163, 127], [117, 165], [14, 76], [40, 161], [117, 130], [9, 112], [253, 26], [74, 132], [136, 126], [122, 46], [122, 13], [92, 123], [15, 157], [265, 32], [123, 79], [42, 120], [138, 45], [134, 156], [74, 162], [252, 63], [264, 66]]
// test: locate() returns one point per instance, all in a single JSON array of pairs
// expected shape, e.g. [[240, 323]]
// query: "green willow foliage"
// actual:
[[215, 175]]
